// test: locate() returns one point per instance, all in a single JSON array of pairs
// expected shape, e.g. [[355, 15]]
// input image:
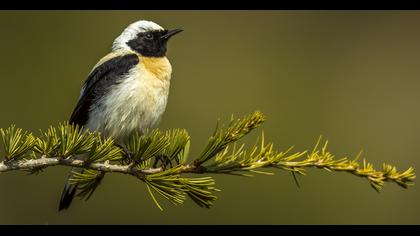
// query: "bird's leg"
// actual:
[[162, 161], [176, 161], [165, 161], [155, 163], [128, 153], [170, 162]]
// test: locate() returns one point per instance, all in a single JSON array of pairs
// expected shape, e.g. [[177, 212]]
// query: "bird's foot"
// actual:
[[164, 160], [127, 153]]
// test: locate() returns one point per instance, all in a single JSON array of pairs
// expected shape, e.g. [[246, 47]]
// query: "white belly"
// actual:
[[136, 104]]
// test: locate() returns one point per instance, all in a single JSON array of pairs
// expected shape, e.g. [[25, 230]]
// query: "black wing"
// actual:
[[97, 83], [101, 78]]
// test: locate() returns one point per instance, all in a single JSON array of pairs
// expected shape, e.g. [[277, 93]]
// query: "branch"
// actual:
[[160, 159], [43, 162]]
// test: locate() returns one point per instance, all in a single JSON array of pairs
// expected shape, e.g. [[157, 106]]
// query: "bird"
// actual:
[[127, 90]]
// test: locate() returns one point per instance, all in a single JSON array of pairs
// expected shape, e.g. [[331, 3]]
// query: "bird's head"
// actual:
[[146, 38]]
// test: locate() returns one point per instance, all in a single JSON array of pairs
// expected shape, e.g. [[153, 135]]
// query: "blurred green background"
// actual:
[[352, 76]]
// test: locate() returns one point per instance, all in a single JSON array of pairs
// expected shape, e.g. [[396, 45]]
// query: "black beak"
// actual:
[[171, 33]]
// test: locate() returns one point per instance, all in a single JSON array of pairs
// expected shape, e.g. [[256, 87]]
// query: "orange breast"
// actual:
[[158, 66]]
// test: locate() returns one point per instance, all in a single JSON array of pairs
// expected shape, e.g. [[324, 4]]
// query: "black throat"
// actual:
[[149, 44]]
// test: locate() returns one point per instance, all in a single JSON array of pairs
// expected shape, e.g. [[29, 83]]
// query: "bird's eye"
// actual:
[[149, 36]]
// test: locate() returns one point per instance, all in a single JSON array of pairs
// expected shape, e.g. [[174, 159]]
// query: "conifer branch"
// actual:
[[160, 159]]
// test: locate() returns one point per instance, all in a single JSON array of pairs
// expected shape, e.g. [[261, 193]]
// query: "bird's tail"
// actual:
[[68, 192]]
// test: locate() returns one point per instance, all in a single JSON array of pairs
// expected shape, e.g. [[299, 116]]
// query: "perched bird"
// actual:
[[127, 90]]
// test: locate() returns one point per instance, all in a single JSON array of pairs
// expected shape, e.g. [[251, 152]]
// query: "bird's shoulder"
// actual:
[[113, 64], [114, 56]]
